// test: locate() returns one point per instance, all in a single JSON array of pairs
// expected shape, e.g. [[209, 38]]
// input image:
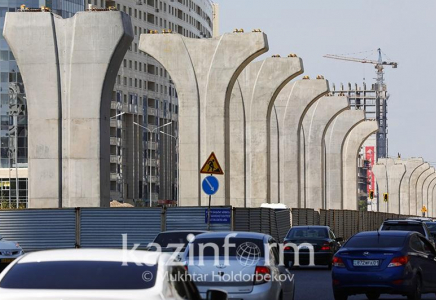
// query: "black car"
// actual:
[[432, 228], [303, 238], [409, 225], [168, 240]]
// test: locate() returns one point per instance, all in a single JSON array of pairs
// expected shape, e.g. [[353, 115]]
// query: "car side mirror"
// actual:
[[216, 295], [339, 239]]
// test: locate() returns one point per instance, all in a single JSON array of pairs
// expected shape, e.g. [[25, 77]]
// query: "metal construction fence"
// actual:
[[40, 229]]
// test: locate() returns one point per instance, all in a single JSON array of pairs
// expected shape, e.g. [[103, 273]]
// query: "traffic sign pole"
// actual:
[[208, 214]]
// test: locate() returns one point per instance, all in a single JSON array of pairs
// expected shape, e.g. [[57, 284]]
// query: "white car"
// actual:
[[9, 251], [87, 274]]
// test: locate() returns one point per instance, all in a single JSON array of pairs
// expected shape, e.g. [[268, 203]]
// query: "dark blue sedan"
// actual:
[[385, 262]]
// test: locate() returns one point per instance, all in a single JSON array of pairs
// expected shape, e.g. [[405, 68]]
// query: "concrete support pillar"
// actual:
[[291, 106], [411, 165], [432, 198], [395, 171], [353, 142], [69, 83], [381, 175], [420, 189], [334, 141], [413, 188], [315, 124], [260, 83], [275, 156], [204, 73], [427, 192]]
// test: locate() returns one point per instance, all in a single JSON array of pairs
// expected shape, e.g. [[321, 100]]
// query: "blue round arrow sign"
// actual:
[[210, 185]]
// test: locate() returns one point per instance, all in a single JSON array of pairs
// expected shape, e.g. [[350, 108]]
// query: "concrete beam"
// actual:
[[354, 141], [413, 188], [69, 83], [334, 140], [420, 189], [427, 192], [411, 165], [291, 106], [260, 83], [204, 72], [315, 124]]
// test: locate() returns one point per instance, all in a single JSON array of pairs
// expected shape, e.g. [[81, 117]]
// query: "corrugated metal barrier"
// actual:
[[104, 227], [193, 218], [39, 229]]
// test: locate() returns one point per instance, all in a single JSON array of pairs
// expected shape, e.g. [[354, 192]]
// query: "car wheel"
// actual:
[[416, 294], [373, 296], [340, 296]]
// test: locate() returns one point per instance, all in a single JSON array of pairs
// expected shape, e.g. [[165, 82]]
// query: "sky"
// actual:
[[405, 30]]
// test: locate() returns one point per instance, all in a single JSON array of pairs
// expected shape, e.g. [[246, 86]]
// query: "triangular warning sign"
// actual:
[[212, 166]]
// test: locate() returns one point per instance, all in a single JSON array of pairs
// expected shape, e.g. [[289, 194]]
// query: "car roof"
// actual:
[[310, 226], [111, 255], [404, 221], [240, 234], [183, 231], [385, 233]]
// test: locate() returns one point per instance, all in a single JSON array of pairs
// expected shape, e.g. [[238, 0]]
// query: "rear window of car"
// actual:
[[307, 233], [404, 227], [79, 275], [164, 239], [431, 226], [241, 246], [375, 242]]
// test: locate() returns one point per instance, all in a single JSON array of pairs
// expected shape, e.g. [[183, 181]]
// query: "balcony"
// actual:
[[154, 179], [151, 111], [115, 141], [151, 162], [114, 176], [152, 145], [114, 159], [116, 123]]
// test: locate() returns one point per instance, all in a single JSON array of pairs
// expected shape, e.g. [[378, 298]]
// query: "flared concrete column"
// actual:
[[260, 83], [353, 142], [411, 165], [420, 189], [315, 124], [275, 156], [69, 83], [291, 105], [381, 175], [396, 171], [432, 198], [413, 188], [204, 72], [426, 192], [334, 141]]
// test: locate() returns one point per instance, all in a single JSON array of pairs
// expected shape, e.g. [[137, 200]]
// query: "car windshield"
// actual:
[[431, 226], [81, 275], [404, 227], [307, 233], [375, 242], [166, 238], [215, 246]]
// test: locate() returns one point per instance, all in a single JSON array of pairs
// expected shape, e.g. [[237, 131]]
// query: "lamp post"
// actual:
[[176, 139], [151, 131]]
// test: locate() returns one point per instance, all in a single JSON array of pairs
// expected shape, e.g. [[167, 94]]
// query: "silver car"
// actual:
[[9, 251], [244, 264]]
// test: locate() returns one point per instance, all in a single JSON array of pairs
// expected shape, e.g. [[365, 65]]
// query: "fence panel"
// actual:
[[39, 229], [193, 218], [104, 227]]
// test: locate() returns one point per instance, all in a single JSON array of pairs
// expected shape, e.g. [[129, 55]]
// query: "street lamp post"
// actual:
[[151, 131], [176, 138]]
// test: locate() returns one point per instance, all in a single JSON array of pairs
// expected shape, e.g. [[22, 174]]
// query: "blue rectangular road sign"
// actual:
[[218, 215]]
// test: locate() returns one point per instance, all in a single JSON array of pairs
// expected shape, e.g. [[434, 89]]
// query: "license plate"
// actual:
[[365, 263], [7, 260]]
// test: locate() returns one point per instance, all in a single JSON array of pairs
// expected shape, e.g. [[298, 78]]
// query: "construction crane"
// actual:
[[381, 97], [379, 64]]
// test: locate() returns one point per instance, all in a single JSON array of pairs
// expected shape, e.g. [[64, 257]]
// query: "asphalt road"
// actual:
[[315, 284]]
